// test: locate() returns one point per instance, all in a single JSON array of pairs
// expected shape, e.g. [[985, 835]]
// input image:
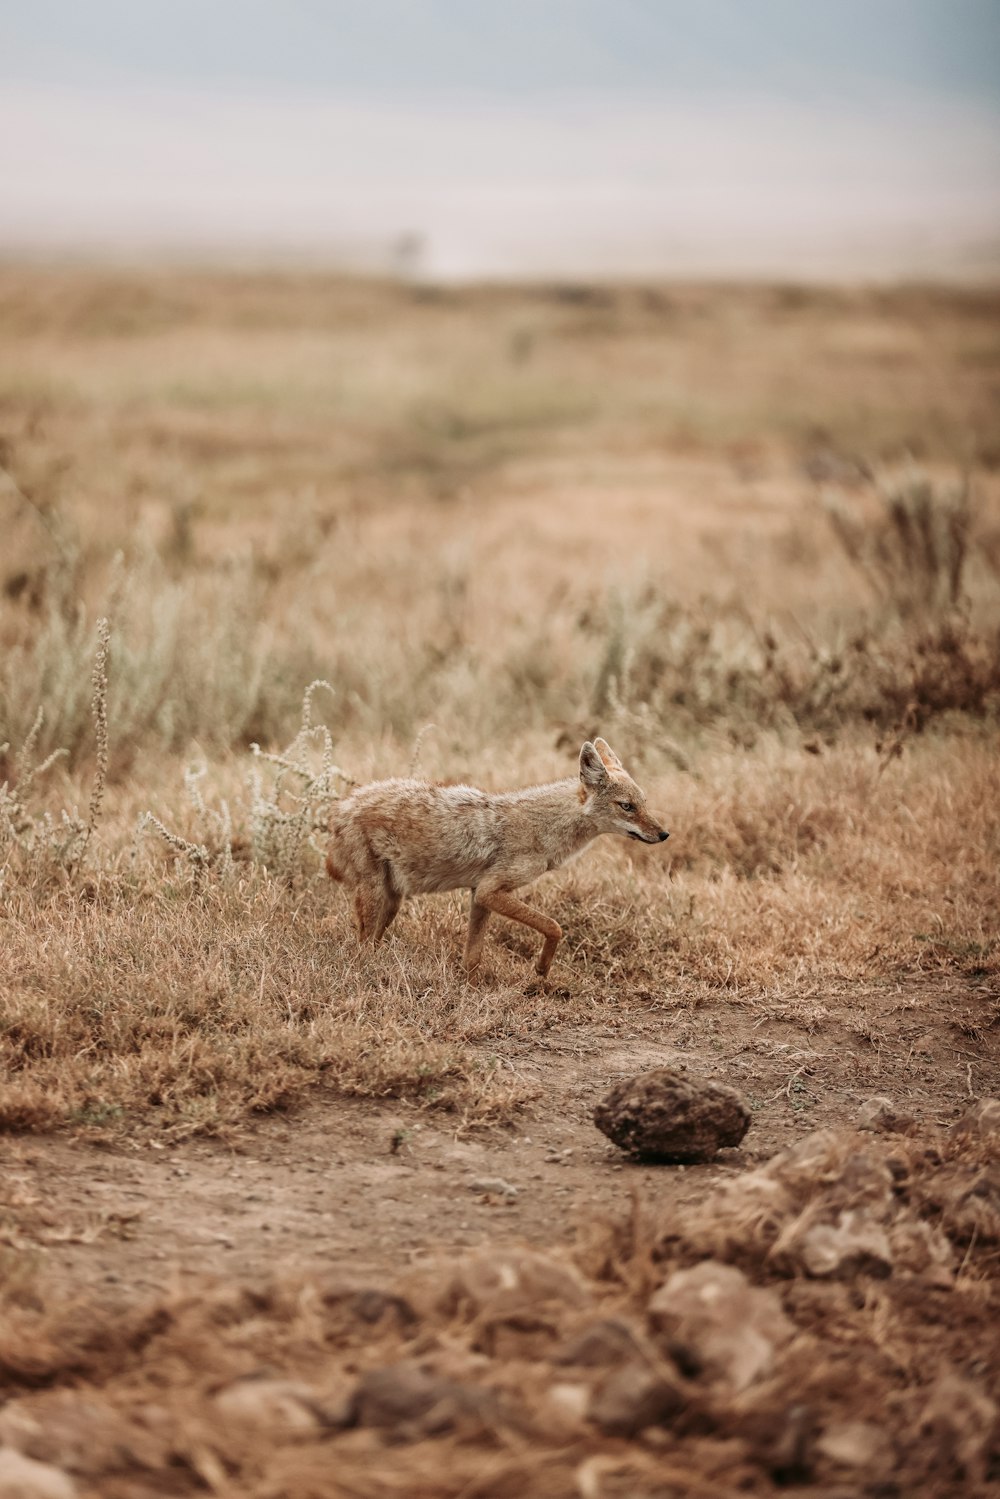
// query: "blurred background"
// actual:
[[448, 139]]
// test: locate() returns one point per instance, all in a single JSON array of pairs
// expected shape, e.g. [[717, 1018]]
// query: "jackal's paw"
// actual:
[[551, 988]]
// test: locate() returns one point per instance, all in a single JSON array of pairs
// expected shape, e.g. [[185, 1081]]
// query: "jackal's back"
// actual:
[[429, 837]]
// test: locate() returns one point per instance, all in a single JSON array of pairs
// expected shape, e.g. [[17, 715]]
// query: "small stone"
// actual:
[[570, 1401], [632, 1398], [413, 1403], [881, 1116], [493, 1186], [272, 1406], [372, 1304], [981, 1120], [502, 1281], [601, 1344], [853, 1245], [672, 1116], [855, 1444], [715, 1323], [23, 1478]]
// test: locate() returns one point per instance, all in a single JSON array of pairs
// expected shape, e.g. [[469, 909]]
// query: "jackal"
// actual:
[[396, 838]]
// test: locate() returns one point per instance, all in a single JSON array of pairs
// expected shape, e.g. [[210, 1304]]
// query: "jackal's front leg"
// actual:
[[506, 904]]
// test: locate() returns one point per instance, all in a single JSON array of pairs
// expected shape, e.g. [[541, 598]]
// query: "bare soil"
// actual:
[[369, 1188]]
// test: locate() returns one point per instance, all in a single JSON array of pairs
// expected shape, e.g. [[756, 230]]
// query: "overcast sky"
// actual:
[[771, 136]]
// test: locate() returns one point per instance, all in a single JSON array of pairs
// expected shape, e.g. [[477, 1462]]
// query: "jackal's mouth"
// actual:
[[639, 838]]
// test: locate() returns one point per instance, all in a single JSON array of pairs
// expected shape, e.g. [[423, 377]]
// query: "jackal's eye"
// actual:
[[627, 806]]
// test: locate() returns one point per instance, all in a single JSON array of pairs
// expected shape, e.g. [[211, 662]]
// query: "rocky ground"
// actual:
[[367, 1300]]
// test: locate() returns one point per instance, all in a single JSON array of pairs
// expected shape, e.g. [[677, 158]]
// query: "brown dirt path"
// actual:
[[365, 1188]]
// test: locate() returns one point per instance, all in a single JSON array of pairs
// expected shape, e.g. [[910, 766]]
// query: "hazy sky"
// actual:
[[516, 47], [532, 135]]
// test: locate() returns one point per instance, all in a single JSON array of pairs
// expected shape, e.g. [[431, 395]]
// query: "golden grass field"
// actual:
[[751, 535]]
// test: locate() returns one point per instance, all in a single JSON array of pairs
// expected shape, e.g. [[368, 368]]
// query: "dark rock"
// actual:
[[632, 1398], [371, 1305], [411, 1403], [602, 1344], [672, 1116]]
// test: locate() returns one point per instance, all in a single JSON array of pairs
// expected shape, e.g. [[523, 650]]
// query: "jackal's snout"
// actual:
[[647, 829], [659, 835]]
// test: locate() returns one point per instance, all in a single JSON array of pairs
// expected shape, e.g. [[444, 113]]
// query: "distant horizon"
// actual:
[[760, 139], [592, 187]]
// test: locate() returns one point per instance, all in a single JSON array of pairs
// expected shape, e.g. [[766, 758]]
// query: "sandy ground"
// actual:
[[366, 1188]]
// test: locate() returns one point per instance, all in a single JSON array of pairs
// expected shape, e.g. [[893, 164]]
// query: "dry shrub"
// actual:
[[182, 1034], [284, 803], [191, 660], [195, 659], [947, 668], [668, 668], [916, 552], [35, 841], [847, 866], [759, 816]]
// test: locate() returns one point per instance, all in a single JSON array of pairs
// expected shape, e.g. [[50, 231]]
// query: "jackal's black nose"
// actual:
[[664, 837]]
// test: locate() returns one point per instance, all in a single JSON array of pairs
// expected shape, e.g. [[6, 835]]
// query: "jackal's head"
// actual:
[[612, 798]]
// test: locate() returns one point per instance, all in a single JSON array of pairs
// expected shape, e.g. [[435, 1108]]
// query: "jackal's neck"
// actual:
[[564, 812]]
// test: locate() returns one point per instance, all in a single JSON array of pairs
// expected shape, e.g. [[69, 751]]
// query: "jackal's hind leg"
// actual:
[[373, 912], [391, 902], [376, 899], [367, 907], [479, 915], [506, 904]]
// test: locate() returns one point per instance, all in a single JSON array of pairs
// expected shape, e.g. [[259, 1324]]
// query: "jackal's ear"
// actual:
[[608, 755], [592, 771]]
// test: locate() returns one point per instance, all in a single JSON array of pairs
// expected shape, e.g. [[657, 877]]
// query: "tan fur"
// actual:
[[401, 837]]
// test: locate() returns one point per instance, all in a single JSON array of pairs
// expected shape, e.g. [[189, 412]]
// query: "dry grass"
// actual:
[[184, 991], [523, 516]]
